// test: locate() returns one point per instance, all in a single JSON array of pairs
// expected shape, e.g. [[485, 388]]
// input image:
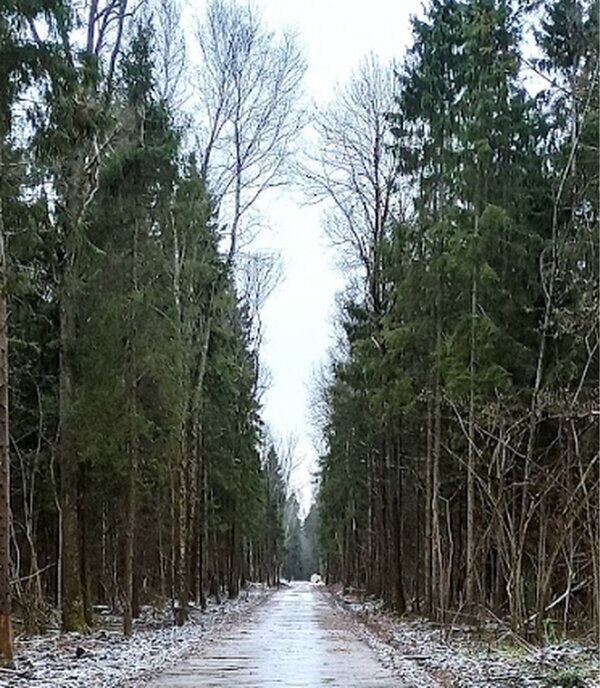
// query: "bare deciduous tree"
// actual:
[[169, 54], [249, 88], [355, 169], [260, 274]]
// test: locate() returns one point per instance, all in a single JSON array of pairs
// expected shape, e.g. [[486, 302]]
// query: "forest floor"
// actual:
[[422, 655], [105, 658], [416, 653]]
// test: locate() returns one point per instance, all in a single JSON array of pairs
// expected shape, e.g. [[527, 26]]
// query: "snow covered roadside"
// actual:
[[423, 657], [106, 659]]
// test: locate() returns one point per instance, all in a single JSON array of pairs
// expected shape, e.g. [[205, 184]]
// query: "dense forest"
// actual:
[[141, 471], [459, 467], [459, 455]]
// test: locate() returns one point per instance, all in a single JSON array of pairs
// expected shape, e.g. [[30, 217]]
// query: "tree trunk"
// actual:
[[397, 525], [72, 599], [470, 573], [84, 547], [428, 508], [6, 652], [199, 537], [181, 546], [233, 584], [436, 536], [133, 442], [203, 535]]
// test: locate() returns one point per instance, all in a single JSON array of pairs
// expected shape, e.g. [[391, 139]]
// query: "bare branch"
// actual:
[[248, 85], [355, 169]]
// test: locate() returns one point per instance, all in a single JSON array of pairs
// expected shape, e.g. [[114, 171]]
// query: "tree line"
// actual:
[[459, 413], [130, 306]]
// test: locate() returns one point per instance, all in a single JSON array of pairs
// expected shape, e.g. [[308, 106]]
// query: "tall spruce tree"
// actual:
[[26, 60]]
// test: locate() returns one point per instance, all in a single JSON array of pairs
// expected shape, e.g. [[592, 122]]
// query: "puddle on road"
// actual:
[[296, 641]]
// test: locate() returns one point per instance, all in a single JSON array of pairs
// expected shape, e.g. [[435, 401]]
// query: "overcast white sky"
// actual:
[[335, 35]]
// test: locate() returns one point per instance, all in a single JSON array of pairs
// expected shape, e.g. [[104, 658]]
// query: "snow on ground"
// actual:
[[424, 656], [421, 655], [106, 659]]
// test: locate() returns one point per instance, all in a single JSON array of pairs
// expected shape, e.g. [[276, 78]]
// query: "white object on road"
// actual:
[[316, 579]]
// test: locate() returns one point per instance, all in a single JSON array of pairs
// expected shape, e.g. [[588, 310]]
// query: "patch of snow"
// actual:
[[425, 656], [107, 659]]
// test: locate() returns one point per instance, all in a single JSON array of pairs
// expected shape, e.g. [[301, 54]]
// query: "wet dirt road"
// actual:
[[295, 640]]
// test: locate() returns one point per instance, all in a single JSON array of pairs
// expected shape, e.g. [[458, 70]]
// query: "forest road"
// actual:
[[296, 640]]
